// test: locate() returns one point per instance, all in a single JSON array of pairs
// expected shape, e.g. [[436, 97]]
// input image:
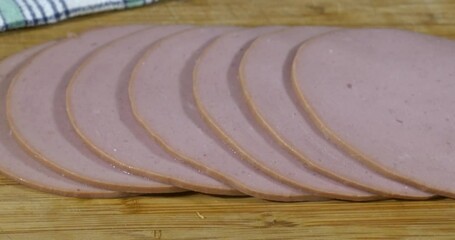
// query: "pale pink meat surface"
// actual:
[[16, 164], [266, 80], [37, 115], [388, 96], [99, 107], [161, 95], [218, 93]]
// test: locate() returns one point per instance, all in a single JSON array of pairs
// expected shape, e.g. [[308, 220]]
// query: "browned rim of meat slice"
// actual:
[[406, 45], [18, 165], [62, 133], [123, 142], [221, 81], [199, 162], [304, 147]]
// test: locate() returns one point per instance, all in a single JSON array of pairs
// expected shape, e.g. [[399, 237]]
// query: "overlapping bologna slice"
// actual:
[[17, 164], [386, 97], [162, 100], [36, 112], [220, 100], [99, 109], [265, 74]]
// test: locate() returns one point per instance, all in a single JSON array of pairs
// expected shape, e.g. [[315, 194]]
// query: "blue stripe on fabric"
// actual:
[[26, 22], [52, 11], [66, 11], [57, 15], [12, 16], [49, 12], [32, 13], [41, 10]]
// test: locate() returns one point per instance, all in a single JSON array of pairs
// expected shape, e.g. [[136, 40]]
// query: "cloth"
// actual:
[[28, 13]]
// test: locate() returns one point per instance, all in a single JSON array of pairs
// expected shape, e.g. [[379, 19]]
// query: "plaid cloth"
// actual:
[[27, 13]]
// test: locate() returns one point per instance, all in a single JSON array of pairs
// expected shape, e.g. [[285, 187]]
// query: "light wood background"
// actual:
[[28, 214]]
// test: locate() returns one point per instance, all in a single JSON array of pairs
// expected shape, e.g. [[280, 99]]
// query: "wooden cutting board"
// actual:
[[29, 214]]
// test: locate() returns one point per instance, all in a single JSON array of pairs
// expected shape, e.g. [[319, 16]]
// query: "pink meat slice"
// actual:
[[16, 164], [100, 111], [265, 77], [219, 97], [391, 104], [36, 113], [162, 100]]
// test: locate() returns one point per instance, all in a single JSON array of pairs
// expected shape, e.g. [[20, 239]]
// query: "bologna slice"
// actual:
[[99, 109], [16, 164], [36, 113], [387, 98], [162, 100], [265, 74], [220, 100]]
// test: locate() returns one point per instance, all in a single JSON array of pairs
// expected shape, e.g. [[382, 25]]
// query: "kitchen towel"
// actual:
[[28, 13]]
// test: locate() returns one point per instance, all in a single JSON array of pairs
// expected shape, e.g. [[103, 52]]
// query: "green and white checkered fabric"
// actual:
[[27, 13]]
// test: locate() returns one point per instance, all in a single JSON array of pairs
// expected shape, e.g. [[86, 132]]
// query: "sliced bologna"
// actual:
[[161, 96], [219, 98], [16, 164], [265, 74], [37, 115], [387, 98], [99, 109]]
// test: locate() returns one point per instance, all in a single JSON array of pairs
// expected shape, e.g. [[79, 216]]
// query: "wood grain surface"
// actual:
[[29, 214]]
